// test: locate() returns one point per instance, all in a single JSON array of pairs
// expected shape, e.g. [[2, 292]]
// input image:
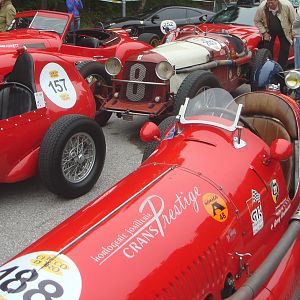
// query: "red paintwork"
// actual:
[[117, 44], [230, 76], [248, 33], [21, 135], [151, 236]]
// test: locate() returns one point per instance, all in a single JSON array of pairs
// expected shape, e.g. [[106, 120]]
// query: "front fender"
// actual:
[[24, 169]]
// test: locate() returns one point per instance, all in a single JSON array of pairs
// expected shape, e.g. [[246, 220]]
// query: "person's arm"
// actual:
[[79, 4], [10, 15], [258, 21]]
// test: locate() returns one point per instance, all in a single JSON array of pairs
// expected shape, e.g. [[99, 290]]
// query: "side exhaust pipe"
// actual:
[[254, 283]]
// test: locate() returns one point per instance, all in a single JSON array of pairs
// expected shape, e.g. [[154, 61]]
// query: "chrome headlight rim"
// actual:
[[164, 70], [113, 66], [292, 79]]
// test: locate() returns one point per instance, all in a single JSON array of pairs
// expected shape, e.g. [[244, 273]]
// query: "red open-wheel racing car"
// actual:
[[210, 214], [47, 124], [157, 81], [50, 31]]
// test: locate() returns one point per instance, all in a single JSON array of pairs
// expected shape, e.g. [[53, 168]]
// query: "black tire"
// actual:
[[163, 126], [133, 30], [260, 57], [149, 38], [96, 76], [192, 85], [53, 155]]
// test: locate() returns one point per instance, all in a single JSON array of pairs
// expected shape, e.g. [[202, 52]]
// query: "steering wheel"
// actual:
[[229, 112], [195, 29]]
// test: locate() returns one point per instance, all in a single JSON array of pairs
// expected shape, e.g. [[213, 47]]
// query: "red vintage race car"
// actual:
[[156, 82], [50, 31], [47, 124], [238, 20], [206, 215]]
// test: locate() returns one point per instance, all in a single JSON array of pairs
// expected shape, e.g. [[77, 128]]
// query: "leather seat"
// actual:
[[90, 42], [273, 118], [17, 93]]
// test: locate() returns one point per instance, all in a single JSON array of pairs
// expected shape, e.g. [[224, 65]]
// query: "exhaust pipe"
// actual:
[[254, 283]]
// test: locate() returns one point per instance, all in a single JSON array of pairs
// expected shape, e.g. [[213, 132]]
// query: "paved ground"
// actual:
[[28, 210]]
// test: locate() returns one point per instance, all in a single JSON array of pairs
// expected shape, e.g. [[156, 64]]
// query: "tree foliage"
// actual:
[[95, 10]]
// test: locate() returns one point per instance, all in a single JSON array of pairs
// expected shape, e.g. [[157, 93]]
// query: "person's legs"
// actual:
[[270, 44], [76, 23], [284, 51]]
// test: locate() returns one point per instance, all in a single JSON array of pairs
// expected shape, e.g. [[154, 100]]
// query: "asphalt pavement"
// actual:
[[28, 210]]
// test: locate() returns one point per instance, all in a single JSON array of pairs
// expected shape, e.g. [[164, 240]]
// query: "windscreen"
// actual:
[[215, 107]]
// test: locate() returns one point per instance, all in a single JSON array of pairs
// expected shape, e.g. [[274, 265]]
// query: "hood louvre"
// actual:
[[199, 278]]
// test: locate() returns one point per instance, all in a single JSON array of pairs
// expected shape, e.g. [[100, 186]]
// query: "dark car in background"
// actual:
[[149, 21]]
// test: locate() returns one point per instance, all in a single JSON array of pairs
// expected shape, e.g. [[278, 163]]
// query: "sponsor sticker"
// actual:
[[215, 206], [39, 100], [57, 85], [274, 190], [170, 134], [207, 42], [153, 221], [167, 26], [40, 275], [256, 213]]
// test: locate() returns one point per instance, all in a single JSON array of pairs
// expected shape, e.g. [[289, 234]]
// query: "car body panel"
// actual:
[[240, 23], [183, 53], [22, 134], [177, 226], [112, 42], [145, 24], [192, 50]]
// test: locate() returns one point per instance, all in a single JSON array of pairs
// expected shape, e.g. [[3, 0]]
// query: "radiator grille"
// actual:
[[139, 71]]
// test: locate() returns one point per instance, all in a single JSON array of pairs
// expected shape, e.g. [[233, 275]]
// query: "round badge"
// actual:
[[167, 26], [215, 206], [57, 85], [40, 275]]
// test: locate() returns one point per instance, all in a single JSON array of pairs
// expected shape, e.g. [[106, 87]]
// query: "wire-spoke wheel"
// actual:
[[72, 155], [78, 157]]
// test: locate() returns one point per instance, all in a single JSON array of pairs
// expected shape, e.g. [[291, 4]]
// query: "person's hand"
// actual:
[[266, 36]]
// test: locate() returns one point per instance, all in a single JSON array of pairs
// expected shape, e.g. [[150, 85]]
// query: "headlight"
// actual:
[[292, 80], [164, 70], [113, 66]]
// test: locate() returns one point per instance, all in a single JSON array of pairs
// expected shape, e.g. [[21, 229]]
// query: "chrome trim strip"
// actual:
[[114, 211], [143, 82]]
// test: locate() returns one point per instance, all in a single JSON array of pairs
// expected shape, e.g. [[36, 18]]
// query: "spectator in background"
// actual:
[[296, 33], [7, 14], [73, 8], [274, 18]]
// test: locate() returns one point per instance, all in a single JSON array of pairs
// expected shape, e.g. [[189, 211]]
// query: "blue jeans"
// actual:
[[75, 24], [297, 62]]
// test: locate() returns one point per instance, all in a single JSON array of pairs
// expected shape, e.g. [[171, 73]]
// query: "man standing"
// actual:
[[274, 18], [73, 8], [7, 14]]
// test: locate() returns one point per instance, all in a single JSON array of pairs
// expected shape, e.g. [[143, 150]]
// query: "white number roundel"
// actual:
[[40, 275], [57, 85], [136, 91]]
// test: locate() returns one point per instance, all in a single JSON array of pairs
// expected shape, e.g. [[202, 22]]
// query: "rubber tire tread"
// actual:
[[191, 85], [163, 126], [148, 38], [259, 59], [51, 149], [86, 68]]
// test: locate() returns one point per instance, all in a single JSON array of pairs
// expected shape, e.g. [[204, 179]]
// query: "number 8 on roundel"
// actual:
[[136, 91]]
